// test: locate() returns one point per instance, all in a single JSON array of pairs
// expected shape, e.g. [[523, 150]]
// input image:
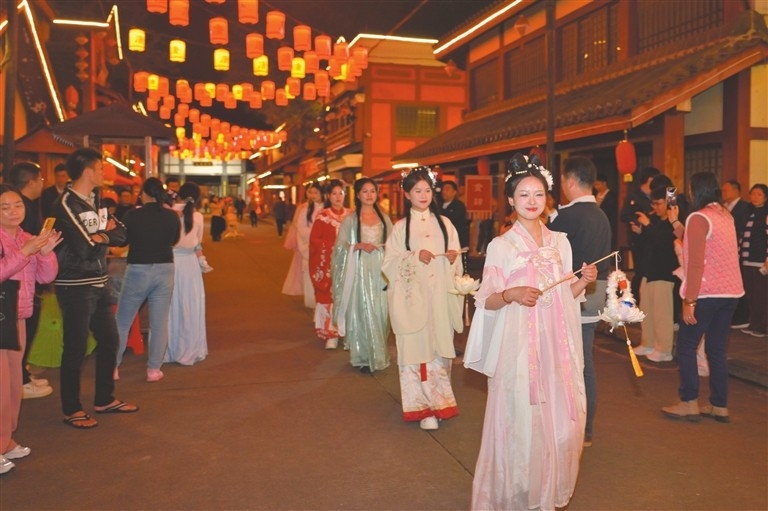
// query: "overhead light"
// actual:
[[392, 38], [118, 164], [405, 166], [81, 23], [477, 26], [265, 174]]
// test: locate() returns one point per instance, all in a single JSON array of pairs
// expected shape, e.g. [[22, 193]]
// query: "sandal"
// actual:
[[118, 407], [79, 421]]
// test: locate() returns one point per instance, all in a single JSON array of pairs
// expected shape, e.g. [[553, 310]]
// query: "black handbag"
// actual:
[[9, 306]]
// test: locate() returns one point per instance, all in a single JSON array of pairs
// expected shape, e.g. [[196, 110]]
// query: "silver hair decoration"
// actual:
[[425, 169]]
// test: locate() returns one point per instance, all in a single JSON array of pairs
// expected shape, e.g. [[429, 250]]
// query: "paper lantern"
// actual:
[[230, 103], [255, 99], [323, 90], [298, 68], [178, 12], [179, 120], [206, 101], [154, 95], [140, 81], [281, 99], [302, 38], [136, 39], [183, 109], [267, 89], [218, 31], [275, 25], [210, 88], [354, 68], [215, 1], [323, 46], [177, 50], [248, 11], [157, 6], [169, 102], [205, 120], [237, 91], [165, 112], [182, 86], [261, 66], [340, 50], [360, 54], [247, 89], [310, 91], [152, 104], [153, 82], [221, 59], [181, 133], [293, 86], [254, 45], [194, 115], [222, 89], [200, 91], [334, 67], [626, 160], [164, 86], [311, 62], [284, 58]]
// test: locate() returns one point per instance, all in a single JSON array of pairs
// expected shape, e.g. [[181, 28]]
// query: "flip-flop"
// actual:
[[75, 421], [118, 407]]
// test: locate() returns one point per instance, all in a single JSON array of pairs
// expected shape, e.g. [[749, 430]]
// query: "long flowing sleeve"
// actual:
[[342, 270], [321, 240]]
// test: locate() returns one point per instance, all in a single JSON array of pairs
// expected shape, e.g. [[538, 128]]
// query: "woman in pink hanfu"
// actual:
[[528, 343]]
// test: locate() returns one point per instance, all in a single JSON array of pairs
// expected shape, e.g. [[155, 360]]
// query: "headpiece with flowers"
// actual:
[[520, 165], [424, 170]]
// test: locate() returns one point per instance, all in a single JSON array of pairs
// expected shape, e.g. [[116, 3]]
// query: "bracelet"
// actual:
[[689, 303], [504, 298]]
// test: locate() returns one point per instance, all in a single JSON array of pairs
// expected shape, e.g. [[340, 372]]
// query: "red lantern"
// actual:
[[194, 115], [254, 45], [169, 102], [205, 120], [626, 160], [323, 46], [152, 104], [340, 50], [183, 109], [267, 89], [334, 67], [255, 99], [215, 1], [221, 91], [158, 6], [230, 103], [281, 98], [200, 91], [284, 58], [164, 86], [206, 101], [178, 12], [247, 89], [182, 86], [140, 81], [360, 54], [165, 112], [311, 62], [248, 11], [293, 86], [310, 91], [275, 25], [302, 38], [218, 30], [179, 120]]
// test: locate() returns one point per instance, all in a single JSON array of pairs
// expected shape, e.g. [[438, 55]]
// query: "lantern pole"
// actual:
[[550, 57], [9, 66]]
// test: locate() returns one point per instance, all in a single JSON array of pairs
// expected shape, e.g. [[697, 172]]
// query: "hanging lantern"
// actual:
[[340, 49], [183, 109], [136, 39], [218, 31], [154, 95], [178, 12], [221, 59], [140, 81], [310, 91], [255, 99], [323, 90], [182, 86], [298, 67], [205, 120], [179, 120], [302, 38], [177, 50], [153, 82], [158, 6], [293, 86], [186, 97], [248, 11], [626, 160], [261, 66], [237, 91], [222, 89], [284, 58], [311, 62], [254, 45], [289, 93], [360, 54], [334, 67], [210, 88], [200, 91], [181, 133], [165, 112], [281, 99], [164, 86], [194, 115], [267, 89], [169, 102], [152, 104], [275, 25], [215, 1], [247, 89], [323, 46], [230, 103], [206, 101]]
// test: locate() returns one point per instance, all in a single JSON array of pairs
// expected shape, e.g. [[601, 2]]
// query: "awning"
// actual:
[[115, 121], [41, 140], [283, 162], [623, 96]]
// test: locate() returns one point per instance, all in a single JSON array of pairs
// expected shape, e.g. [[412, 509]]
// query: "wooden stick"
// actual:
[[573, 274], [463, 250]]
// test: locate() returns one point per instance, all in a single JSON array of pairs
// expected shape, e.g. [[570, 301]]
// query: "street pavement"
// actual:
[[272, 421]]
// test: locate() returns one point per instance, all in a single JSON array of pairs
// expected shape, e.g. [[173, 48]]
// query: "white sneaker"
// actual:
[[642, 350], [32, 391], [204, 266], [41, 382], [428, 424], [5, 465], [740, 326], [656, 356], [18, 452], [332, 344]]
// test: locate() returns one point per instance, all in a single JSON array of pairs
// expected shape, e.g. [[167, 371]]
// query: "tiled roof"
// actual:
[[621, 96]]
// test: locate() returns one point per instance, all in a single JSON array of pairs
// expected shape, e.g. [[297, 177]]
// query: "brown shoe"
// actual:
[[688, 410], [719, 413]]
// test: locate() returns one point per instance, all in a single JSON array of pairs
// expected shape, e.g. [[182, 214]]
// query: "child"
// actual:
[[420, 263]]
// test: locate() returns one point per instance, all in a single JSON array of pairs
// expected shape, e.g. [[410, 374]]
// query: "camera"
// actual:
[[671, 196]]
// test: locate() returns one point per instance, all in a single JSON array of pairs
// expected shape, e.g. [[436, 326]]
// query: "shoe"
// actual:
[[40, 382], [365, 370], [332, 344], [746, 331], [719, 413], [32, 391], [154, 375], [642, 350], [656, 356], [5, 465], [204, 266], [740, 326], [587, 441], [688, 410], [755, 333], [429, 424], [18, 452]]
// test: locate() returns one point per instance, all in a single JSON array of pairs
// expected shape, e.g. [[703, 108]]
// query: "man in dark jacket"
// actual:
[[740, 210], [50, 194], [456, 211], [81, 288]]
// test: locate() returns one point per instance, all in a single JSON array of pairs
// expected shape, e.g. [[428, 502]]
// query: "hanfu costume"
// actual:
[[359, 302], [424, 314], [297, 282], [535, 414], [322, 238]]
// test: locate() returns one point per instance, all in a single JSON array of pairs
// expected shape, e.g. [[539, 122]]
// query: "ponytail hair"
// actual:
[[190, 194], [311, 206], [409, 181], [358, 206], [155, 189]]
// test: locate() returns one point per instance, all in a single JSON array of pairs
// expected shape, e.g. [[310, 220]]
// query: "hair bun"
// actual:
[[424, 170]]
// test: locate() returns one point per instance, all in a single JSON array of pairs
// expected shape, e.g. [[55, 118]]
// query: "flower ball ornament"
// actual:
[[620, 305], [466, 285]]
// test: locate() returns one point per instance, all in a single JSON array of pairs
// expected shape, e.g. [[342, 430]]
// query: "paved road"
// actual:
[[272, 421]]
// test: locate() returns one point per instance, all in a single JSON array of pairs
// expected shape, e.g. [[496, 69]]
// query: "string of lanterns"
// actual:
[[341, 65]]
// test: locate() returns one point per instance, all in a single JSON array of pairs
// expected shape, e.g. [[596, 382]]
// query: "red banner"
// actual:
[[478, 196]]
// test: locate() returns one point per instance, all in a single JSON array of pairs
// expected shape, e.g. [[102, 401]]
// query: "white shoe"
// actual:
[[5, 465], [204, 266], [18, 452], [642, 350], [656, 356], [428, 424], [332, 344], [32, 391], [41, 382]]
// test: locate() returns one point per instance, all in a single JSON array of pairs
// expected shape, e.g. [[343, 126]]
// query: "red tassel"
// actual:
[[423, 370]]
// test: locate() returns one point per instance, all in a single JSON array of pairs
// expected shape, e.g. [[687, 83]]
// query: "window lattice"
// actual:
[[708, 158], [589, 43], [411, 121], [524, 68], [661, 23], [484, 84]]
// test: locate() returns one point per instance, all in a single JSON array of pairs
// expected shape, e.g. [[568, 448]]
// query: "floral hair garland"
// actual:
[[515, 169], [423, 169]]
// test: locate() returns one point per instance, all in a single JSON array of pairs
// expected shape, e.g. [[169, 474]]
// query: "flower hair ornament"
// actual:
[[520, 165], [424, 170]]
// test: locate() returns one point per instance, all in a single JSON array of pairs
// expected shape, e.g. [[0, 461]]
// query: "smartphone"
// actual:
[[671, 196], [48, 225]]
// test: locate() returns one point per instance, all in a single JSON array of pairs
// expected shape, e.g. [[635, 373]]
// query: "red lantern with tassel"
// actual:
[[626, 159]]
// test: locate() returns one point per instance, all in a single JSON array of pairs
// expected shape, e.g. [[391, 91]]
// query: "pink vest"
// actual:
[[722, 276]]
